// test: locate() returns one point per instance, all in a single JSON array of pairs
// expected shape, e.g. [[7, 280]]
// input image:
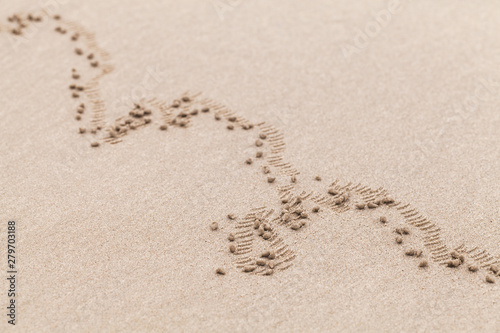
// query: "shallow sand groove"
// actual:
[[259, 243]]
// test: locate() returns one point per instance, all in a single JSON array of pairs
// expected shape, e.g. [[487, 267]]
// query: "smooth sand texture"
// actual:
[[118, 237]]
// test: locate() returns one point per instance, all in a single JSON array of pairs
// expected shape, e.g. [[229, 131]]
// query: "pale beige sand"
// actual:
[[117, 238]]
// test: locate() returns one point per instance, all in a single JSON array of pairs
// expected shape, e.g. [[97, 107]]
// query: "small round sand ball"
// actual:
[[232, 248], [473, 268], [78, 117], [94, 144], [267, 227], [495, 269], [82, 130], [78, 51], [265, 254], [271, 264], [266, 235], [315, 209], [256, 224], [490, 278], [231, 216], [249, 268], [272, 255], [132, 126], [75, 95], [360, 206], [406, 231], [304, 215], [423, 263], [260, 262], [249, 161], [295, 226], [194, 112], [318, 178], [399, 231], [271, 179], [231, 237], [258, 154], [186, 99], [263, 136], [284, 200], [266, 169], [217, 117], [232, 119], [220, 271], [383, 219], [418, 253], [205, 109], [399, 240], [163, 127], [268, 272], [293, 179], [214, 226], [372, 205], [230, 127], [176, 103], [260, 231], [333, 191], [259, 143]]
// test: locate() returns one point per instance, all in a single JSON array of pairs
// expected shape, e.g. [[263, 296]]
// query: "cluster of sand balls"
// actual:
[[258, 143], [263, 228], [456, 260], [183, 117], [340, 198], [265, 261], [21, 23], [293, 213], [402, 232], [375, 203]]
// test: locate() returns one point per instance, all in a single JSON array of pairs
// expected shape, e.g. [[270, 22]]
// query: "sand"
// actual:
[[241, 166]]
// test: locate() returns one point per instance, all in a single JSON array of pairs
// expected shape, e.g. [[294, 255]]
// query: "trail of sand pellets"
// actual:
[[258, 240]]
